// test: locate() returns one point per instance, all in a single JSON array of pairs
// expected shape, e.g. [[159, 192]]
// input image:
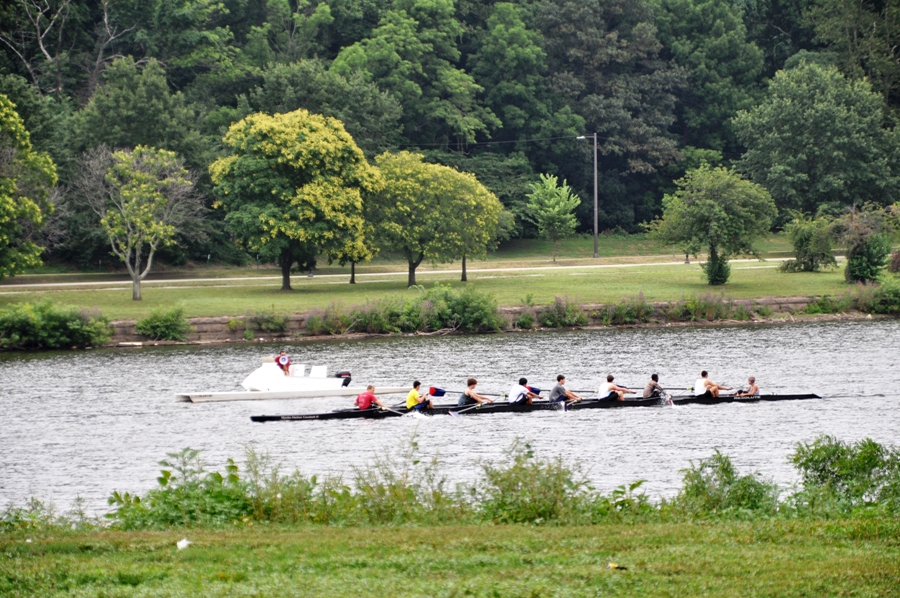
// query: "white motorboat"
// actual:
[[270, 382]]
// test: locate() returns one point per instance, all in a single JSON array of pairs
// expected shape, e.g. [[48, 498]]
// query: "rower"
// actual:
[[284, 362], [366, 399], [520, 393], [706, 388], [611, 390], [751, 391], [653, 390], [561, 393], [415, 400], [470, 397]]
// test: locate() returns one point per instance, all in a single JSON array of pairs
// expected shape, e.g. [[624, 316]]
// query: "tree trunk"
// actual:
[[352, 272], [136, 289], [464, 277], [287, 260], [411, 280]]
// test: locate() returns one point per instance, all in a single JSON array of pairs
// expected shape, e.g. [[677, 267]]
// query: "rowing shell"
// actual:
[[378, 413]]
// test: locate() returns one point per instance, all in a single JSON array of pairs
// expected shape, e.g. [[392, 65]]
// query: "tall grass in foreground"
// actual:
[[837, 480]]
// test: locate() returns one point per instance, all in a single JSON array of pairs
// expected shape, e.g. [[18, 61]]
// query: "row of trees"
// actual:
[[498, 89]]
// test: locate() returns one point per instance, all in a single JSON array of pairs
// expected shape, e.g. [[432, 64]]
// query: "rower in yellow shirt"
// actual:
[[416, 400]]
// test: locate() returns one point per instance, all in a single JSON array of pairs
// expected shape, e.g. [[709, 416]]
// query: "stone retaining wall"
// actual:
[[225, 329]]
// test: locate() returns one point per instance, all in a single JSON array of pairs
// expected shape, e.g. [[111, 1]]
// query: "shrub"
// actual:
[[847, 476], [469, 310], [562, 314], [713, 487], [829, 305], [42, 325], [524, 489], [331, 320], [707, 306], [812, 245], [887, 299], [265, 321], [863, 296], [866, 259], [526, 319], [717, 270], [764, 311], [164, 325], [235, 323], [741, 312]]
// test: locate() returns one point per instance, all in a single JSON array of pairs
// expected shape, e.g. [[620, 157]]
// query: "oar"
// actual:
[[395, 411], [457, 413], [439, 392]]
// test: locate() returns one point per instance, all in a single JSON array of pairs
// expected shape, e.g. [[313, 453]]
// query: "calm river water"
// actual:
[[87, 423]]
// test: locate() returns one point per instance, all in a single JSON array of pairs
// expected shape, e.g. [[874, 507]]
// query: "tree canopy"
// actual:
[[293, 187], [716, 210], [431, 211], [26, 178]]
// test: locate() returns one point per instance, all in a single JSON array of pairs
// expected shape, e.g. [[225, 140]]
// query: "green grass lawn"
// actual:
[[581, 284], [859, 557]]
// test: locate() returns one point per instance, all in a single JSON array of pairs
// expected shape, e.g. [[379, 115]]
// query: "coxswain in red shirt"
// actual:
[[284, 362], [368, 398]]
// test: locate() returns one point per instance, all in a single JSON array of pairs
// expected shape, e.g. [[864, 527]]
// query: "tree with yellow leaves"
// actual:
[[293, 188], [431, 211]]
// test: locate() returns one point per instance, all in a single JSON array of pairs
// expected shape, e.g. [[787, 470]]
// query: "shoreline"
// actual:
[[222, 330]]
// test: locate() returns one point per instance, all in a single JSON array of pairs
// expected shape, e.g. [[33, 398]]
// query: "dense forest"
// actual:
[[801, 96]]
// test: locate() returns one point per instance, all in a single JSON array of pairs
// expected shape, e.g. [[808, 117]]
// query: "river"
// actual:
[[82, 424]]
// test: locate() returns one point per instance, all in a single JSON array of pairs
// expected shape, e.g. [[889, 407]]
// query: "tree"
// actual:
[[709, 38], [135, 107], [142, 197], [715, 209], [866, 233], [551, 207], [846, 157], [431, 211], [370, 115], [293, 187], [412, 55], [26, 178], [812, 240]]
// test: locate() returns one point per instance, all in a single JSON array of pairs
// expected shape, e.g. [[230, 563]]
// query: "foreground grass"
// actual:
[[510, 287], [857, 557]]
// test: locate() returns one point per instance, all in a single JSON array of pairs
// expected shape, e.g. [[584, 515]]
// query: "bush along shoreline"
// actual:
[[837, 480], [438, 310]]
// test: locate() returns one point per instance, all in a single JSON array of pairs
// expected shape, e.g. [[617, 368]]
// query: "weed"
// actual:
[[42, 325], [562, 314], [164, 325]]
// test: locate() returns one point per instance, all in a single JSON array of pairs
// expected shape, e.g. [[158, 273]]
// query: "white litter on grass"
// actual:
[[28, 540], [183, 543]]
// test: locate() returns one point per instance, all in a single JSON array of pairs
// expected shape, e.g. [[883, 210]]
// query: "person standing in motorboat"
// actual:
[[470, 397], [284, 362], [366, 399]]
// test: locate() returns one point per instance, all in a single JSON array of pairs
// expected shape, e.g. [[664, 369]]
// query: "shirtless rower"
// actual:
[[653, 390], [366, 399], [520, 393], [752, 389], [561, 393], [706, 388], [611, 390], [470, 397]]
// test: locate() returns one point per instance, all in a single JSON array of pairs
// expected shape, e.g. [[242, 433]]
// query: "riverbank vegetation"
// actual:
[[527, 525]]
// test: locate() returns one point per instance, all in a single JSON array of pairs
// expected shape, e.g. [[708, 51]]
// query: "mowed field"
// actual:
[[518, 272], [857, 557]]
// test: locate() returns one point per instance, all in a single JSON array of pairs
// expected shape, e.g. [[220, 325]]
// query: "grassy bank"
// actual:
[[510, 287], [797, 558]]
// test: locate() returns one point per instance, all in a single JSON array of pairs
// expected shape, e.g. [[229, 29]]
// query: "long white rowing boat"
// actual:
[[269, 382]]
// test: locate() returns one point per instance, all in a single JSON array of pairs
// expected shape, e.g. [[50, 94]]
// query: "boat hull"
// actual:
[[497, 407]]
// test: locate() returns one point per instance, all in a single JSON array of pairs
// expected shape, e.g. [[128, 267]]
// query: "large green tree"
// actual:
[[818, 139], [709, 38], [26, 178], [431, 211], [293, 187], [371, 116], [413, 55], [717, 210]]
